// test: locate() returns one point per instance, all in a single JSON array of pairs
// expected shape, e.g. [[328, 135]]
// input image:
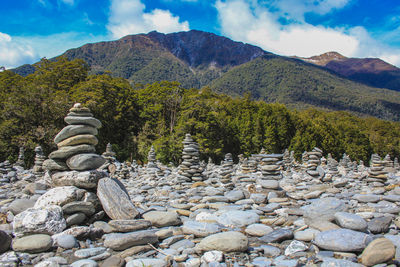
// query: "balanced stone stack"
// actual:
[[377, 171], [76, 143], [39, 159], [313, 161], [389, 163], [286, 160], [345, 163], [396, 164], [227, 169], [21, 158], [332, 167], [152, 168], [190, 169], [271, 166], [109, 154]]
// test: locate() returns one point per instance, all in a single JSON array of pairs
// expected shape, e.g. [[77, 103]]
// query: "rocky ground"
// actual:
[[267, 210]]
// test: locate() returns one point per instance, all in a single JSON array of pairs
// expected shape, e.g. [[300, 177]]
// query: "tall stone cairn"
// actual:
[[396, 164], [76, 143], [313, 161], [21, 158], [388, 162], [345, 163], [377, 168], [227, 169], [152, 168], [39, 159], [190, 168], [271, 166], [332, 167]]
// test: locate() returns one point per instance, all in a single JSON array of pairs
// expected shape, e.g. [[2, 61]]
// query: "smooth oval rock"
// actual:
[[141, 262], [200, 229], [79, 206], [115, 200], [72, 130], [162, 218], [226, 242], [258, 229], [32, 243], [342, 240], [122, 241], [59, 196], [129, 225], [84, 162], [351, 221], [81, 139], [378, 251], [238, 218], [54, 165], [19, 205], [81, 179], [66, 152], [75, 120], [323, 209]]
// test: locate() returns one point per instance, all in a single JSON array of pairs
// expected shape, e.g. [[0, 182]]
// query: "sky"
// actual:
[[32, 29]]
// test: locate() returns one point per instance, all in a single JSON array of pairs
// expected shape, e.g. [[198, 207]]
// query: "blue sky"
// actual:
[[31, 29]]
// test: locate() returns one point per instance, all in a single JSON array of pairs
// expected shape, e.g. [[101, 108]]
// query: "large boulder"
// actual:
[[115, 200], [44, 220]]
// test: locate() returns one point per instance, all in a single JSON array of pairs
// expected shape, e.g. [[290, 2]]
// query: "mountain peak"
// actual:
[[324, 59]]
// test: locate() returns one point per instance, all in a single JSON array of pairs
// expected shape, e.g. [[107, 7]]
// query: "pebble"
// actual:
[[342, 240], [226, 242], [32, 243], [258, 229], [378, 251], [121, 241], [162, 218], [351, 221]]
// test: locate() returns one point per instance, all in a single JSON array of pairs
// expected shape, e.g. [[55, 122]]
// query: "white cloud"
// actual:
[[14, 53], [129, 17], [251, 22]]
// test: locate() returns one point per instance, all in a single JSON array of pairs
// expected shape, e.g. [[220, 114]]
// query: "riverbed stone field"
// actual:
[[77, 207]]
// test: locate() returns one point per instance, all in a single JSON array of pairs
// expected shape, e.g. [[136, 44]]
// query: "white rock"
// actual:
[[59, 196], [212, 256]]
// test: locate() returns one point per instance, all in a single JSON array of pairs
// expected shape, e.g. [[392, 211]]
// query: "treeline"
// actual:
[[136, 116]]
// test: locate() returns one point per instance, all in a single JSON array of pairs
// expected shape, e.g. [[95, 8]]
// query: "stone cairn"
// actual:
[[345, 163], [389, 163], [39, 159], [227, 169], [76, 143], [270, 166], [21, 158], [396, 164], [190, 169], [313, 160], [286, 160], [109, 154], [377, 171], [332, 167], [152, 169]]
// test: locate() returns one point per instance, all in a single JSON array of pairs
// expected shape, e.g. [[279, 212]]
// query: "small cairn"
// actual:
[[21, 158], [190, 169], [396, 164], [109, 154], [361, 166], [376, 170], [270, 166], [323, 162], [286, 160], [227, 169], [8, 171], [313, 161], [76, 143], [152, 168], [39, 159], [389, 164], [345, 163], [332, 167]]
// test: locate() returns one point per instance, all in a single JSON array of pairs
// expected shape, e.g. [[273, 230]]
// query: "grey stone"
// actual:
[[323, 209], [64, 241], [72, 130], [379, 225], [66, 152], [306, 235], [114, 261], [367, 197], [234, 195], [46, 220], [32, 243], [258, 229], [129, 225], [238, 218], [226, 242], [141, 262], [74, 120], [351, 221], [84, 162], [89, 252], [79, 206], [75, 219], [122, 241], [277, 236], [268, 184], [342, 240], [82, 179], [19, 205], [200, 229], [54, 165], [294, 247], [271, 251], [162, 218], [59, 196], [84, 263], [5, 241], [332, 262], [115, 201]]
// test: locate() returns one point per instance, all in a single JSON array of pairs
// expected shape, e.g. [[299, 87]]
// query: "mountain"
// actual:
[[371, 71], [197, 59]]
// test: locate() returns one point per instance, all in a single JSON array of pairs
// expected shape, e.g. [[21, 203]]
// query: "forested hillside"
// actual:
[[32, 109]]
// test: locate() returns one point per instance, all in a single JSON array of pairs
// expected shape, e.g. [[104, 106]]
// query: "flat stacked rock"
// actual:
[[270, 166], [39, 159], [76, 143], [313, 161], [377, 171], [9, 172], [227, 169], [21, 158], [190, 169]]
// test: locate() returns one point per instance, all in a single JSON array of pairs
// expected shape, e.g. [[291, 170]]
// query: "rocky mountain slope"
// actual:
[[197, 59]]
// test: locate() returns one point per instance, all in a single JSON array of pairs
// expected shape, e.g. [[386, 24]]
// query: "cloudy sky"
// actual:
[[32, 29]]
